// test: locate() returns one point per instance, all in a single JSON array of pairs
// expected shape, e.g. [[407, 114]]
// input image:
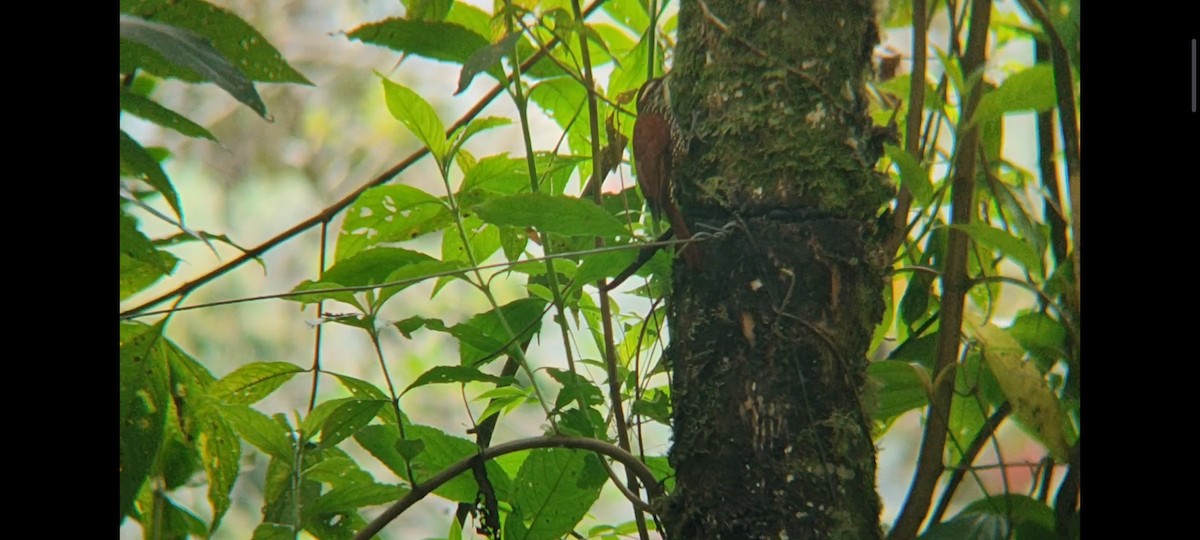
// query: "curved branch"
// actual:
[[600, 447]]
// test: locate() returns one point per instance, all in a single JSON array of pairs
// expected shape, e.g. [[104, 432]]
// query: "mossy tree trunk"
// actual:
[[769, 339]]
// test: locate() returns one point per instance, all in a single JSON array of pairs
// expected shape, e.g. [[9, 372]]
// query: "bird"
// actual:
[[658, 144]]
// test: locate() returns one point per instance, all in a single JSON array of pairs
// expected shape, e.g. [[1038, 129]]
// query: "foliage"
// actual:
[[180, 421]]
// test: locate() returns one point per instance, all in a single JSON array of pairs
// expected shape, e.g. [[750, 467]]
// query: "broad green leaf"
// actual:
[[317, 291], [486, 58], [561, 99], [252, 382], [456, 374], [418, 116], [913, 176], [1042, 336], [261, 431], [390, 213], [914, 305], [273, 531], [630, 13], [1034, 403], [899, 387], [524, 318], [355, 497], [220, 449], [190, 52], [477, 126], [603, 265], [1020, 251], [229, 34], [147, 109], [1031, 89], [138, 246], [471, 18], [563, 215], [575, 388], [663, 471], [444, 41], [427, 10], [555, 488], [972, 525], [497, 174], [440, 451], [171, 520], [484, 239], [139, 164], [966, 412], [1020, 508], [347, 419], [338, 472], [144, 395], [136, 275], [373, 267]]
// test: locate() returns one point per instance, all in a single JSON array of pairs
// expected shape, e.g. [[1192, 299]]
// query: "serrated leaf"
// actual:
[[187, 50], [144, 395], [1031, 89], [913, 176], [347, 419], [555, 488], [558, 214], [417, 115], [138, 163], [136, 275], [147, 109], [390, 213], [456, 374], [252, 382], [261, 431], [486, 58], [1033, 402], [1020, 251], [353, 498], [338, 472]]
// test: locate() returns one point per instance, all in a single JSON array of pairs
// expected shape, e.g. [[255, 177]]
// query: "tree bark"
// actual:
[[769, 338]]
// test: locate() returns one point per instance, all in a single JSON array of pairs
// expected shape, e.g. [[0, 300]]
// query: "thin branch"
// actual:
[[329, 212], [610, 348], [600, 447], [954, 284], [316, 366], [912, 124]]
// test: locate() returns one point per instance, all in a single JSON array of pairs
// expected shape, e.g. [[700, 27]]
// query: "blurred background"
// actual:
[[324, 142]]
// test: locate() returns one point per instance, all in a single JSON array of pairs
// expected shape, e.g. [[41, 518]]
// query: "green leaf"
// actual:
[[563, 215], [1020, 251], [575, 388], [274, 531], [477, 126], [1033, 402], [373, 267], [524, 317], [1020, 508], [252, 382], [144, 396], [444, 41], [972, 525], [663, 471], [1031, 89], [136, 275], [486, 58], [355, 497], [138, 163], [194, 53], [172, 521], [418, 116], [322, 290], [497, 174], [143, 107], [261, 431], [338, 472], [220, 450], [390, 213], [456, 374], [555, 488], [440, 451], [900, 387], [347, 419], [229, 34], [364, 390], [604, 264], [913, 176]]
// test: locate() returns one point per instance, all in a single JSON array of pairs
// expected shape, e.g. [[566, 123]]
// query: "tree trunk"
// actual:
[[769, 339]]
